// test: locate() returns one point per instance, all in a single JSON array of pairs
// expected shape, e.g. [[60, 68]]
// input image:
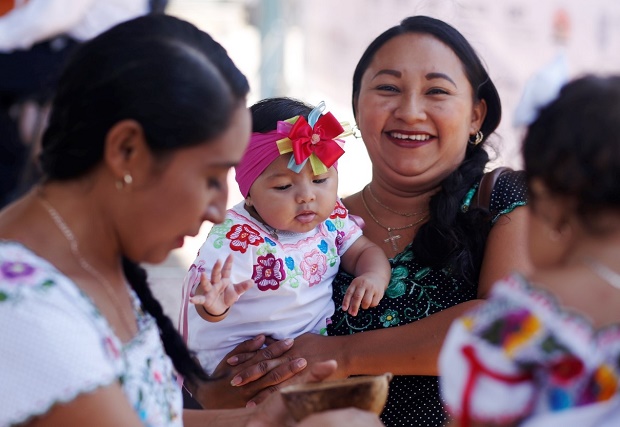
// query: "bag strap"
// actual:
[[487, 183]]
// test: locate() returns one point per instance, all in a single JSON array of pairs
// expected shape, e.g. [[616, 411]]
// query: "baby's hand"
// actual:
[[366, 291], [218, 294]]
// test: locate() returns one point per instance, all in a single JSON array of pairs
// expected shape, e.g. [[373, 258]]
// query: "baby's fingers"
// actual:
[[216, 273], [242, 287], [198, 299], [367, 300], [353, 299], [227, 267]]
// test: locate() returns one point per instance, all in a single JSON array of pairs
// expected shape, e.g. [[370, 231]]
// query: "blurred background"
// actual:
[[309, 49]]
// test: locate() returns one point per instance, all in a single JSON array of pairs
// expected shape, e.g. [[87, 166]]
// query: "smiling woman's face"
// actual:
[[416, 110]]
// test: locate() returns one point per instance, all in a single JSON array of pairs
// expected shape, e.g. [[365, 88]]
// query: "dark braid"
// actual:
[[451, 238], [181, 357]]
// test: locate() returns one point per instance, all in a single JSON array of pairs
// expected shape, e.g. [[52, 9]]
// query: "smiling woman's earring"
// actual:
[[477, 138], [127, 180], [356, 132]]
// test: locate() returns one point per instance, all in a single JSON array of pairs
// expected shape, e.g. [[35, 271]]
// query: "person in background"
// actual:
[[126, 178], [36, 38], [544, 349], [283, 244], [425, 107]]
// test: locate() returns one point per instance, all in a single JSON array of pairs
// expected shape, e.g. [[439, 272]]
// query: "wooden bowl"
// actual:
[[364, 392]]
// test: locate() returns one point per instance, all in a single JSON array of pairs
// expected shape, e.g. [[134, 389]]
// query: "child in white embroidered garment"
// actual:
[[284, 243], [544, 349]]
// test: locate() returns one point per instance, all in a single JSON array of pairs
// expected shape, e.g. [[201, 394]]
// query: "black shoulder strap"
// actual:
[[482, 198]]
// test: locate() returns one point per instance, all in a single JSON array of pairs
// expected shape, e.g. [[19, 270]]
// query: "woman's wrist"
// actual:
[[343, 354]]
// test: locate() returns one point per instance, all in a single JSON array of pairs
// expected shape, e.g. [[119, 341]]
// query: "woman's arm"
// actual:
[[410, 349], [506, 250], [104, 407]]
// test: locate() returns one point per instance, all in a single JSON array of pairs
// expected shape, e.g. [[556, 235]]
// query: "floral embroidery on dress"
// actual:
[[241, 236], [19, 276], [513, 330], [313, 265], [526, 331], [339, 211], [74, 327], [268, 273], [389, 318], [17, 269], [219, 232]]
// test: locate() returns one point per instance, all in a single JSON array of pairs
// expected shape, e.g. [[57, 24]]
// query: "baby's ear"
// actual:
[[248, 201]]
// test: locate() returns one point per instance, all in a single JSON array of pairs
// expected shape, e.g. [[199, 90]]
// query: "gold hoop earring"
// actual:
[[127, 180], [477, 138]]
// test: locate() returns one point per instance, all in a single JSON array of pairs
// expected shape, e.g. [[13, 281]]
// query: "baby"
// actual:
[[283, 245]]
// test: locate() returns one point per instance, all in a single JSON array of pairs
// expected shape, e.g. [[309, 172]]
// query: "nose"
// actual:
[[215, 210], [410, 109], [305, 194]]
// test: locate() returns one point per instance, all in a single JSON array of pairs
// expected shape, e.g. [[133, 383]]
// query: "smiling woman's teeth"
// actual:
[[410, 137]]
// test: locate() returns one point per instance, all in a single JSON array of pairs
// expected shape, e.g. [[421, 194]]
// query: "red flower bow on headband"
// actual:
[[319, 140]]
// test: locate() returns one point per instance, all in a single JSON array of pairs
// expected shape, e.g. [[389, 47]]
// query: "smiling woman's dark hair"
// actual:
[[176, 82], [450, 238]]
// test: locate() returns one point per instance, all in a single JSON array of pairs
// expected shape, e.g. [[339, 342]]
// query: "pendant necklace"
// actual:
[[85, 265], [604, 272], [386, 207], [393, 237]]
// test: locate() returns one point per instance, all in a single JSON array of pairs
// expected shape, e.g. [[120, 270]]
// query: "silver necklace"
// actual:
[[85, 265], [392, 237], [604, 272], [386, 207]]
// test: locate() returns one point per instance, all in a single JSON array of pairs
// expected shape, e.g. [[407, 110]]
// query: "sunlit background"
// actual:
[[309, 49]]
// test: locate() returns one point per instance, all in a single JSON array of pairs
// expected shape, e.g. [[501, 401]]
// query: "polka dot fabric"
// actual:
[[415, 292]]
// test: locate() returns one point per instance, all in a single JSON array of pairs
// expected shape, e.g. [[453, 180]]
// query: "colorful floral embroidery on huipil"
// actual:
[[268, 273], [241, 236], [313, 265], [15, 270], [339, 211], [512, 331]]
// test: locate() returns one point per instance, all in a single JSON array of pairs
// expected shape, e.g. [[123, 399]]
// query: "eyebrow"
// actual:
[[429, 76], [388, 72]]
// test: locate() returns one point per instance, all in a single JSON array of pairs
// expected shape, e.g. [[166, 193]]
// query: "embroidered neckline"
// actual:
[[547, 300]]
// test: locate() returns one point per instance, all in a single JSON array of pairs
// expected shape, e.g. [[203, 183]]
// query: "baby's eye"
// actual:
[[320, 180], [282, 187]]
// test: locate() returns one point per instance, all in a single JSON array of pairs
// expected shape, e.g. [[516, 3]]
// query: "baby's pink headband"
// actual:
[[316, 140]]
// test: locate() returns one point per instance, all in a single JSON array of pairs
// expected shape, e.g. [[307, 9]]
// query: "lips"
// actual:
[[409, 139], [306, 217]]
